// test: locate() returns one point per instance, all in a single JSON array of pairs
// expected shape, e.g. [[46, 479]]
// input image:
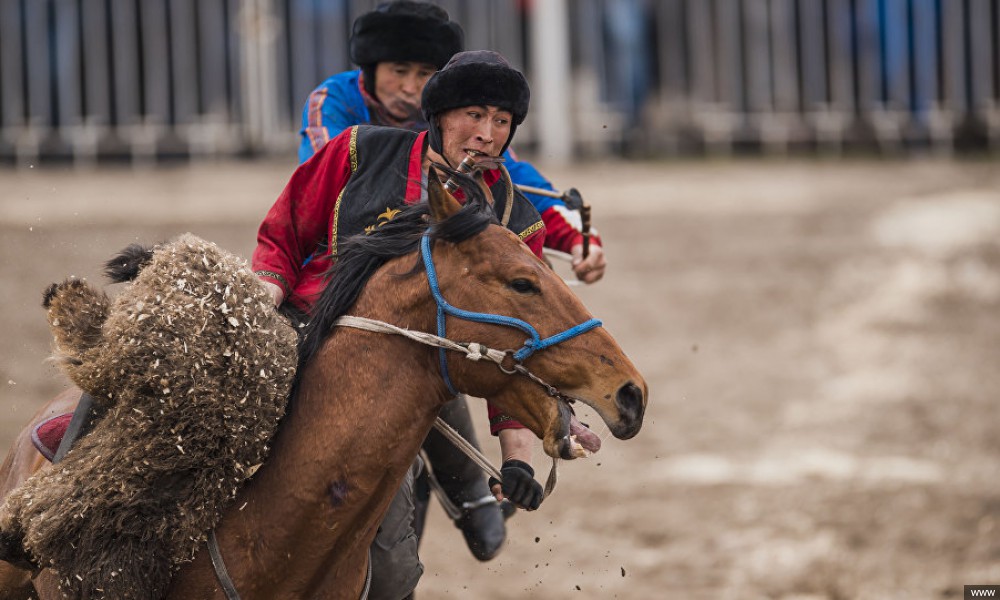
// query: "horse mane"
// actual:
[[363, 254], [125, 266]]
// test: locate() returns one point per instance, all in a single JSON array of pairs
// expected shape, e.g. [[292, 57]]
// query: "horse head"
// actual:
[[494, 273]]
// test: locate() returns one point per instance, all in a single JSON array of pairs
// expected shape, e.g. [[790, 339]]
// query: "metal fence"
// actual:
[[88, 80]]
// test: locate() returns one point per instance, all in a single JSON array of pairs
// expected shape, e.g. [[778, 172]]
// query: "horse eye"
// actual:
[[523, 286]]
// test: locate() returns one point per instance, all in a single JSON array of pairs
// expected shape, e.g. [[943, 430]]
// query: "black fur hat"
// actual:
[[475, 78], [405, 31]]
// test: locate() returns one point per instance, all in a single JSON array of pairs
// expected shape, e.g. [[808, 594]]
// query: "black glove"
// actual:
[[519, 485]]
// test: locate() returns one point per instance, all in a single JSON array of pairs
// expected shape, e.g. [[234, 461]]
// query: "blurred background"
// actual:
[[800, 205], [89, 80]]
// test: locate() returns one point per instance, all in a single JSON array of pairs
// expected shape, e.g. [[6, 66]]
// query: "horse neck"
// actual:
[[362, 409]]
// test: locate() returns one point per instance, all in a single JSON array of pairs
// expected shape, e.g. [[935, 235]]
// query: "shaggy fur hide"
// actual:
[[194, 366]]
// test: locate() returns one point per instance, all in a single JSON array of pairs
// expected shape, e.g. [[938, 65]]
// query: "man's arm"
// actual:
[[563, 226], [297, 222], [519, 485]]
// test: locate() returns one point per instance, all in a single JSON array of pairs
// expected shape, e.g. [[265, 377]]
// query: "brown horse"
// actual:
[[364, 401]]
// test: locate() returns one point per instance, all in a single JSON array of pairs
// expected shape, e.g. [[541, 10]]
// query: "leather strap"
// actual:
[[229, 588], [220, 568]]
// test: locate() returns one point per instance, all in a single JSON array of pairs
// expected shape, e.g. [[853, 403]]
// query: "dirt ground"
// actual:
[[820, 339]]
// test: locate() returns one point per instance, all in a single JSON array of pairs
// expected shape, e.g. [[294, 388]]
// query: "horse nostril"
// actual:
[[629, 400]]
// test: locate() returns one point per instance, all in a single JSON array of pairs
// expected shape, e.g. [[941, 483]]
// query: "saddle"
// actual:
[[47, 435]]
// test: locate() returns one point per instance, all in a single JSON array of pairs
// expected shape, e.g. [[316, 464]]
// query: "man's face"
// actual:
[[398, 86], [475, 130]]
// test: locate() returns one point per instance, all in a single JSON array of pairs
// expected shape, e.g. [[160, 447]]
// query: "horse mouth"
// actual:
[[578, 441]]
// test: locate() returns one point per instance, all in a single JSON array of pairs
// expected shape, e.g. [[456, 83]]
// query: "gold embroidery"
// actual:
[[354, 149], [336, 220], [388, 215], [273, 275], [538, 225]]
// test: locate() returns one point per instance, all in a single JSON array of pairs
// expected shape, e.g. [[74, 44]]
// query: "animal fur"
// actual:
[[194, 366]]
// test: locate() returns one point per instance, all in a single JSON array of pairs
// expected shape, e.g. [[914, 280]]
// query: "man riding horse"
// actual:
[[399, 46], [359, 181]]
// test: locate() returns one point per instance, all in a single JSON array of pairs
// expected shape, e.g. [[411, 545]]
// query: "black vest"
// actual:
[[375, 192]]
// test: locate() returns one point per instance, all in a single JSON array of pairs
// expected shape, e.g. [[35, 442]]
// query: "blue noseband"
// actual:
[[533, 344]]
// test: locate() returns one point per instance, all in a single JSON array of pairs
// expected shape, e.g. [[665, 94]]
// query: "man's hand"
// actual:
[[591, 269], [275, 290], [519, 485]]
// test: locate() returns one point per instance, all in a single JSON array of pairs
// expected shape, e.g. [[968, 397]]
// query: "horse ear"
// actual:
[[442, 203]]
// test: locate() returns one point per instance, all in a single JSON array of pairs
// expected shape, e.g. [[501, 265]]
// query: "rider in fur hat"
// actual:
[[399, 46], [359, 180]]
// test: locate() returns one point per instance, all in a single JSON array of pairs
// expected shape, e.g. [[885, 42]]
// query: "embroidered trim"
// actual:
[[524, 234], [318, 134], [273, 275], [336, 220], [498, 419], [354, 149]]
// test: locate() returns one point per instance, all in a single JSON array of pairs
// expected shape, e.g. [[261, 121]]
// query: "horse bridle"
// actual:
[[533, 344]]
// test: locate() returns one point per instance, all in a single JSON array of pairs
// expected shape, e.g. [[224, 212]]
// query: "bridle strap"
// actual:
[[534, 342], [229, 588]]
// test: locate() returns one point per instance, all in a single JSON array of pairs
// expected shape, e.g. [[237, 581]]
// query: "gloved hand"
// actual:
[[519, 485]]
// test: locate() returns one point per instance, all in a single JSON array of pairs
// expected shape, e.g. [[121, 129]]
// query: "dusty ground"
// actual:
[[821, 342]]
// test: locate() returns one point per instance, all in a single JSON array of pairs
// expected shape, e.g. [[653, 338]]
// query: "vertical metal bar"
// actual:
[[12, 65], [185, 67], [731, 79], [813, 55], [38, 64], [477, 29], [125, 57], [869, 56], [155, 63], [756, 57], [839, 29], [213, 44], [926, 68], [981, 59], [67, 62], [670, 33], [701, 58], [334, 33], [785, 57], [896, 58], [953, 51], [507, 37], [550, 68], [97, 84], [303, 45]]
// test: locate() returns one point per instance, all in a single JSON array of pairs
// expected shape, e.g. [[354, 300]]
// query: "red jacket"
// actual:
[[298, 239]]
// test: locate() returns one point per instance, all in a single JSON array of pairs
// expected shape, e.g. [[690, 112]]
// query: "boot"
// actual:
[[464, 483]]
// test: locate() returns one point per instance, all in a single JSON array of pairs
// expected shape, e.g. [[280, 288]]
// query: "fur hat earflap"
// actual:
[[405, 31], [475, 78]]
